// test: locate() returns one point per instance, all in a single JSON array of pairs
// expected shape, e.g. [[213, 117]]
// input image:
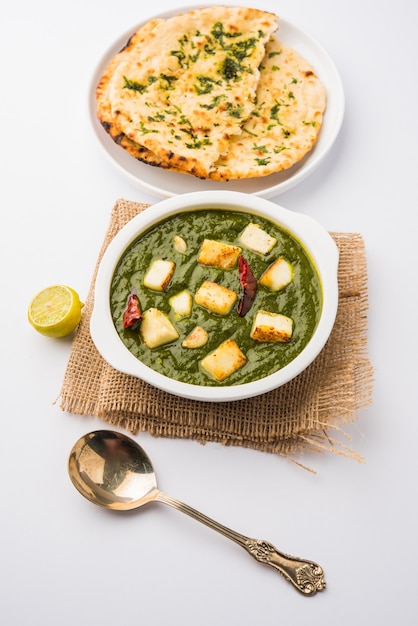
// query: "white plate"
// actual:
[[165, 184]]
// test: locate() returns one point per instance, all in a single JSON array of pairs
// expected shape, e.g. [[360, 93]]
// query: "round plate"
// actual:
[[165, 184]]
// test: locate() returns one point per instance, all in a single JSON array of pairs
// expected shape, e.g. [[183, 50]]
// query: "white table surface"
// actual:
[[64, 561]]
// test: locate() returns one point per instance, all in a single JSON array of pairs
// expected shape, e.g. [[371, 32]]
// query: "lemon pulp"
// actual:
[[55, 311]]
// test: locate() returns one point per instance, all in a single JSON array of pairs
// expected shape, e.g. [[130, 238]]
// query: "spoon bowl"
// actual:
[[114, 472]]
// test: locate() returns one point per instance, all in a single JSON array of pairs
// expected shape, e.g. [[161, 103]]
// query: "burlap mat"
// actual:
[[305, 414]]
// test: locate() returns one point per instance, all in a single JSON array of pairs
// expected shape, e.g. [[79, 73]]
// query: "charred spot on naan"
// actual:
[[139, 152]]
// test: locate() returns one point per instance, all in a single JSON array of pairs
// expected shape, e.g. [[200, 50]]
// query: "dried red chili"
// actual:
[[248, 284], [132, 314]]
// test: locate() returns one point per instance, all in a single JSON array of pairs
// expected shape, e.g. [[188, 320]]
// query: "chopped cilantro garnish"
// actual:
[[262, 149], [194, 57], [235, 111], [209, 47], [274, 112], [146, 130], [241, 49], [167, 81], [219, 33], [245, 130], [197, 144], [230, 69], [215, 102], [158, 117], [134, 85], [180, 56], [263, 161], [206, 84]]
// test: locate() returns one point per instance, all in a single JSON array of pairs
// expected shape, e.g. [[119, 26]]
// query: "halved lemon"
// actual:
[[55, 311]]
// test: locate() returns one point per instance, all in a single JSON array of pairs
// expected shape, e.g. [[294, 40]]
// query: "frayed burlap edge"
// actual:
[[305, 415]]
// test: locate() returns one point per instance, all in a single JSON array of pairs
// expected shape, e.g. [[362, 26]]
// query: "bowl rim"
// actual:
[[309, 232]]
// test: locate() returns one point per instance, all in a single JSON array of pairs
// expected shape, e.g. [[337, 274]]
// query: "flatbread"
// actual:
[[185, 85], [277, 122], [104, 112], [286, 122]]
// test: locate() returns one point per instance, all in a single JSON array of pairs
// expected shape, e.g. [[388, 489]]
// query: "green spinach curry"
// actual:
[[176, 243]]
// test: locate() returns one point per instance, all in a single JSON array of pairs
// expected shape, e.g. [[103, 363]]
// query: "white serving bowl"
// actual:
[[313, 237]]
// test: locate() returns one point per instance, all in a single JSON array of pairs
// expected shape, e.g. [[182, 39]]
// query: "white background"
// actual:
[[64, 561]]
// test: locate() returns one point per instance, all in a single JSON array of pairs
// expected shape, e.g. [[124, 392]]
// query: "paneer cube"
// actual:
[[256, 239], [215, 297], [181, 303], [277, 275], [159, 274], [218, 254], [180, 244], [271, 327], [196, 339], [157, 328], [224, 360]]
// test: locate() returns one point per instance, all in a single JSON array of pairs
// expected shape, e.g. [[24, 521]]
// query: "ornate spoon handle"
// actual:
[[306, 576]]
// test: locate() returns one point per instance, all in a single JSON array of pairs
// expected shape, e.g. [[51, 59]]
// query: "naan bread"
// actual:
[[286, 122], [104, 112], [185, 85], [267, 130]]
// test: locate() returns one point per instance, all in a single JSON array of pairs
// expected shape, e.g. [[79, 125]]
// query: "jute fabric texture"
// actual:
[[304, 415]]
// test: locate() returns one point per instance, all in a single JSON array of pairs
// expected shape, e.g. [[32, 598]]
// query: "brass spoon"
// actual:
[[113, 471]]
